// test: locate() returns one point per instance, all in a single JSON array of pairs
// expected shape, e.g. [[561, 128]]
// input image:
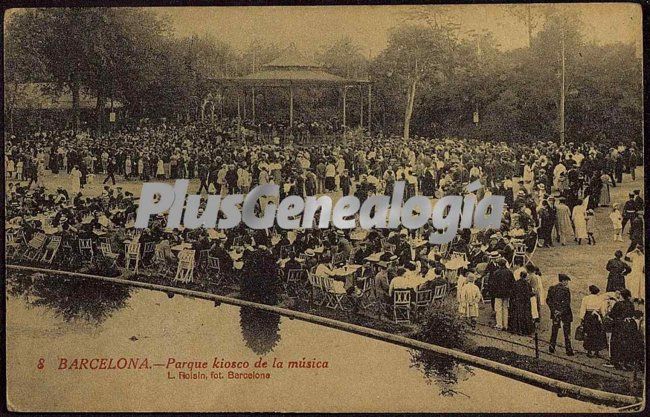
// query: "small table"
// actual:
[[182, 246], [375, 257]]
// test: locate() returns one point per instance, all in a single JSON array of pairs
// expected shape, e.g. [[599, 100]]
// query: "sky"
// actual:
[[313, 27]]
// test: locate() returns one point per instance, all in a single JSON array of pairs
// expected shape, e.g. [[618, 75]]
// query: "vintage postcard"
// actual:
[[385, 208]]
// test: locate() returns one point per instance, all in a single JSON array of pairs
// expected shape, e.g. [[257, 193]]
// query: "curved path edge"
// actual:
[[497, 367]]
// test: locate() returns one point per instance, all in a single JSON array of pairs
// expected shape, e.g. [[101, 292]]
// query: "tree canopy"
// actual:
[[431, 78]]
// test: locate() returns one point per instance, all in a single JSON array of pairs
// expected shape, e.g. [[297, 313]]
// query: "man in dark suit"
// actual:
[[558, 300], [629, 210], [204, 174], [636, 231], [110, 171], [502, 282]]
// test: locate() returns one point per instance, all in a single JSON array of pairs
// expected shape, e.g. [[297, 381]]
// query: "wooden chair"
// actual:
[[238, 242], [51, 249], [443, 249], [185, 269], [292, 282], [12, 245], [366, 297], [318, 296], [339, 258], [461, 255], [334, 297], [402, 306], [148, 251], [132, 255], [423, 299], [86, 250], [35, 246], [161, 263], [439, 293], [108, 254], [285, 251], [520, 254]]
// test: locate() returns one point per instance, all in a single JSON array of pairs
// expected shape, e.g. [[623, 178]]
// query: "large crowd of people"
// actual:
[[551, 193]]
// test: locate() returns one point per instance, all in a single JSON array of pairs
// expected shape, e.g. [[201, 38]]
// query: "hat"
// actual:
[[310, 252], [563, 277]]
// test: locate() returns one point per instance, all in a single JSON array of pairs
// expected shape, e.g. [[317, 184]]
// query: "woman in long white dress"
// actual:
[[605, 197], [580, 220], [75, 181], [636, 278], [160, 169]]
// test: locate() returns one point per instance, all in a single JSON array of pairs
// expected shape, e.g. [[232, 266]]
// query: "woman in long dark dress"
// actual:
[[520, 320], [595, 338], [625, 332]]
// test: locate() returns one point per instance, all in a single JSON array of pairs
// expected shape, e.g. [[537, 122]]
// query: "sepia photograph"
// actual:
[[433, 208]]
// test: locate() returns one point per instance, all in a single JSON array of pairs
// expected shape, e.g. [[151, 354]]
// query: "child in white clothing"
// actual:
[[617, 222]]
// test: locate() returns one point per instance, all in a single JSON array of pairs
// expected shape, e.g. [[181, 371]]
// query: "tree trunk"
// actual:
[[99, 109], [409, 109], [74, 89]]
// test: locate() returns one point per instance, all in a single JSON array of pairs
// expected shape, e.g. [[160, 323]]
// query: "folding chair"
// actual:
[[334, 296], [185, 269], [461, 255], [132, 255], [285, 251], [318, 296], [148, 251], [292, 282], [339, 258], [107, 253], [444, 249], [202, 260], [12, 245], [160, 261], [86, 250], [439, 293], [366, 297], [423, 299], [520, 254], [34, 247], [402, 306], [51, 249]]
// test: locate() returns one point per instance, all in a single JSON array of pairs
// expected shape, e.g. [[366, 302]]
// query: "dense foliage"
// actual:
[[429, 80]]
